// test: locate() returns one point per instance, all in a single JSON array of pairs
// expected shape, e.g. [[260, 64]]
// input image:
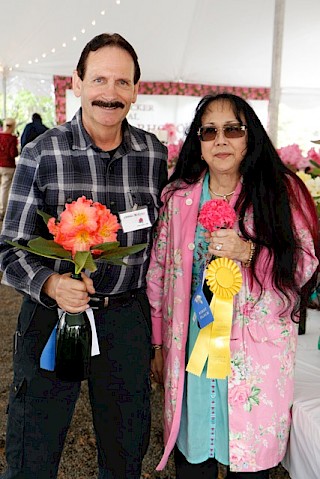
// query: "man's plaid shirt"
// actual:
[[62, 165]]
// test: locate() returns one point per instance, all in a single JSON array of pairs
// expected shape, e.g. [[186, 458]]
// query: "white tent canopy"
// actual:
[[194, 41], [200, 41]]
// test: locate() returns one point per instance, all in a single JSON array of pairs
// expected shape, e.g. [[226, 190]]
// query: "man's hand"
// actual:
[[70, 294]]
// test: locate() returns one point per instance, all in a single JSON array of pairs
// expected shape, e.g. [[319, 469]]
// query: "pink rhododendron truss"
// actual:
[[217, 214]]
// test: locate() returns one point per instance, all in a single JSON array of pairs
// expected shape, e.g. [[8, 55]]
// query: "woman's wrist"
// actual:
[[247, 263], [156, 346]]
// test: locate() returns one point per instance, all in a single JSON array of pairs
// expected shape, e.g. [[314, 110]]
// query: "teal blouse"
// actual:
[[204, 431]]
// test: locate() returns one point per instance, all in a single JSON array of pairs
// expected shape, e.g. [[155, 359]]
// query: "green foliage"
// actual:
[[22, 104]]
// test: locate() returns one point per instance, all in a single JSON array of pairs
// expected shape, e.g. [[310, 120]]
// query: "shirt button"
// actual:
[[189, 201], [191, 246]]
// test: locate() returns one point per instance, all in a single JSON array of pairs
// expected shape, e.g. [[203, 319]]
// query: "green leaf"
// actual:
[[83, 260], [44, 247], [106, 246], [122, 251], [314, 163], [44, 215], [44, 255], [18, 245], [255, 391]]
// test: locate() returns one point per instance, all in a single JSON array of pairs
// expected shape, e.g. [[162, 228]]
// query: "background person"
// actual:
[[8, 153], [98, 155], [32, 130], [242, 421]]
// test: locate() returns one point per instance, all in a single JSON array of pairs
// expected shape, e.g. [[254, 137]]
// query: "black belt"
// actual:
[[101, 301]]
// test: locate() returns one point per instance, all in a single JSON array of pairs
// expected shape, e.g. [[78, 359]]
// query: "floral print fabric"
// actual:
[[263, 338]]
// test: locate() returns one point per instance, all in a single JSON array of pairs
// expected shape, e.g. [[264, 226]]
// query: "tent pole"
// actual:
[[275, 91]]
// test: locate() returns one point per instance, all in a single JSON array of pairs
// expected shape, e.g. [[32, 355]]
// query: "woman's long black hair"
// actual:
[[269, 187]]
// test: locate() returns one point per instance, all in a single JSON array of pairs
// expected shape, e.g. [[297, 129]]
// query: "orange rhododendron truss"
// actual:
[[85, 231], [84, 224]]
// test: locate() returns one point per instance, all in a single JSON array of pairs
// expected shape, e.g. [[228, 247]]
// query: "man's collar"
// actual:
[[132, 138]]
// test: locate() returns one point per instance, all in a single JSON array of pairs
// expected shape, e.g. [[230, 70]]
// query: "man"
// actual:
[[8, 153], [98, 155], [32, 130]]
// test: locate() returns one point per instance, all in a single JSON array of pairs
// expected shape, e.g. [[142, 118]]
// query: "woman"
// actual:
[[243, 420]]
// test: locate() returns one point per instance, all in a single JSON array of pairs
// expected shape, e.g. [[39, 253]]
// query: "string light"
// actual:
[[64, 44]]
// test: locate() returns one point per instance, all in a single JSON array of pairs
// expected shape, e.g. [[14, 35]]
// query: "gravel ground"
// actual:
[[79, 456]]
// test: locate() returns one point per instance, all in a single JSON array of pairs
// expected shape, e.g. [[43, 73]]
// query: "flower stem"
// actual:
[[76, 276]]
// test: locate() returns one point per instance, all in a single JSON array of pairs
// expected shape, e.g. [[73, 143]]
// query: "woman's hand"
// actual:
[[157, 366], [225, 243]]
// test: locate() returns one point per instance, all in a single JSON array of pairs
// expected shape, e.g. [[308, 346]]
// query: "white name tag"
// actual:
[[134, 220]]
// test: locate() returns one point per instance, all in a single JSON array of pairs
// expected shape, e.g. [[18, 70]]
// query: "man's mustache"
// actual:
[[108, 104]]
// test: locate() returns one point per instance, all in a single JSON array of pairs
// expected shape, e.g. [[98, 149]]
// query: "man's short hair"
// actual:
[[108, 40]]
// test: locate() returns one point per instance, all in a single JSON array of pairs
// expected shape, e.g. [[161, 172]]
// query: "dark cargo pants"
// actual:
[[41, 407]]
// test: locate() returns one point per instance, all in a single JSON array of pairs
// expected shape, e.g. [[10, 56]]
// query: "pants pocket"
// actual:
[[15, 425], [35, 324]]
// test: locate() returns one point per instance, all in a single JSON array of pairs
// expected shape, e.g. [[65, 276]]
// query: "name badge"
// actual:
[[134, 220]]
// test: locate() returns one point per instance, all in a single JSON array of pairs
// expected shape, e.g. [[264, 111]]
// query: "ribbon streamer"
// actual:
[[224, 279]]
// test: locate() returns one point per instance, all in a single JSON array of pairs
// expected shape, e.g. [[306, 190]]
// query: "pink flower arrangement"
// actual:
[[173, 145], [292, 156], [314, 155], [173, 153], [172, 131], [216, 214]]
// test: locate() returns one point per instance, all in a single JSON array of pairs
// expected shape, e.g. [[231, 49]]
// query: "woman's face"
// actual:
[[223, 155]]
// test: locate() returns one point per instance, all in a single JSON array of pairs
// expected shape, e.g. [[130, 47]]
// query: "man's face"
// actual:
[[107, 90]]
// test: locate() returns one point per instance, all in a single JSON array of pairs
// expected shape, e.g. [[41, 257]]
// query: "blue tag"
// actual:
[[48, 355], [201, 308]]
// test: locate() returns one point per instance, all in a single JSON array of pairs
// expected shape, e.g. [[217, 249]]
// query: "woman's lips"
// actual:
[[222, 156]]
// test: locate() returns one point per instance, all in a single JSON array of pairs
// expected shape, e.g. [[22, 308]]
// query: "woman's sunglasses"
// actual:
[[209, 133]]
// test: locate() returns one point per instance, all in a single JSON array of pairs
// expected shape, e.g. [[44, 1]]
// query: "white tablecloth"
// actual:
[[303, 456]]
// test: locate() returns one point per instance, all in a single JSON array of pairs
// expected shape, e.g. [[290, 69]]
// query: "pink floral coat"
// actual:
[[263, 339]]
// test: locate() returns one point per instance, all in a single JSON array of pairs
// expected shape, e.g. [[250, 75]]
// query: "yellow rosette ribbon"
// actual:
[[213, 342]]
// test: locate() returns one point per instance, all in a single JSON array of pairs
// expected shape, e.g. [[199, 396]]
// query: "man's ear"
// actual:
[[135, 92], [76, 84]]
